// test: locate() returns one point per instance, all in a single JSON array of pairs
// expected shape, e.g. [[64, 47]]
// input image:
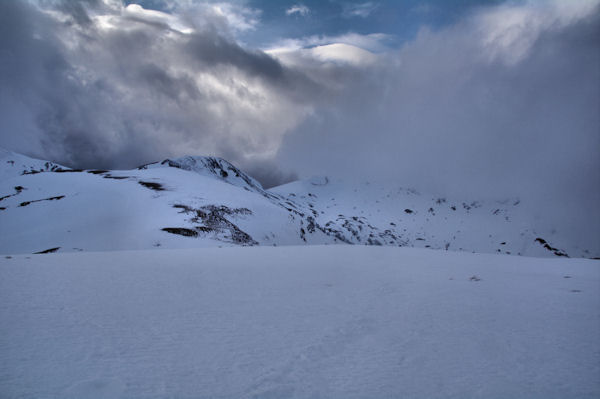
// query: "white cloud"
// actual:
[[343, 53], [509, 31], [299, 9], [362, 10], [233, 16], [373, 42], [239, 17], [138, 12]]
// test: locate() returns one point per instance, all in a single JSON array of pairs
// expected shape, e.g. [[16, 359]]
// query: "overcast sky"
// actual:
[[486, 99]]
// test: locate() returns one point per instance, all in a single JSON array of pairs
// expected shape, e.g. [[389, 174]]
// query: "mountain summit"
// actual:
[[211, 167]]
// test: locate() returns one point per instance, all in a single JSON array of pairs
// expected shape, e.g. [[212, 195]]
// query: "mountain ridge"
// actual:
[[206, 201]]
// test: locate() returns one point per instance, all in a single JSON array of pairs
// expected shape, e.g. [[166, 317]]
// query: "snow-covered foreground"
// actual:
[[311, 321]]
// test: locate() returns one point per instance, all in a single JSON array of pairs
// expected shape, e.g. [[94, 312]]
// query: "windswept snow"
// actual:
[[298, 322]]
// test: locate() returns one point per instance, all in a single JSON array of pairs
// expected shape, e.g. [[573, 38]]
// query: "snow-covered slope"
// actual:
[[204, 201], [298, 322], [13, 164], [381, 214]]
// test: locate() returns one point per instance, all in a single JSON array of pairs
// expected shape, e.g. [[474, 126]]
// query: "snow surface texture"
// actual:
[[298, 322], [205, 201]]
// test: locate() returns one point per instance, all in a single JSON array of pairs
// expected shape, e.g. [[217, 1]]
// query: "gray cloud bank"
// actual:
[[490, 107], [504, 103]]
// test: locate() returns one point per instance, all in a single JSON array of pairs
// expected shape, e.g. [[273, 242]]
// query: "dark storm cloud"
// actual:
[[138, 91], [178, 88], [211, 49], [31, 60]]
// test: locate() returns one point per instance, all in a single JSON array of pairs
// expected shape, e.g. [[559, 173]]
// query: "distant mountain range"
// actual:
[[206, 201]]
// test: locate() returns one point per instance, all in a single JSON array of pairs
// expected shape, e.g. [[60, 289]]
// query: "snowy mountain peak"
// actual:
[[212, 167]]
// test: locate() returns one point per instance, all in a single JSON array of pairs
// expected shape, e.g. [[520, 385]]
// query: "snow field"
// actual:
[[306, 321]]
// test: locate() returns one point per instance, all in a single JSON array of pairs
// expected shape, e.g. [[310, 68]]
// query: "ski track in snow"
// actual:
[[297, 322]]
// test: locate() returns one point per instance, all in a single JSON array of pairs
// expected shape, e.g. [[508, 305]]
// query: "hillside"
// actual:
[[205, 201]]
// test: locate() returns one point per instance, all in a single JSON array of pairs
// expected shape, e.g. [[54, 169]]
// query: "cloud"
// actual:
[[129, 85], [372, 42], [137, 13], [362, 10], [509, 32], [238, 17], [269, 174], [344, 53], [299, 9], [493, 106]]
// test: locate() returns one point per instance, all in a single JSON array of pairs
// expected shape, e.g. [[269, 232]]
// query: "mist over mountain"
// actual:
[[500, 100]]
